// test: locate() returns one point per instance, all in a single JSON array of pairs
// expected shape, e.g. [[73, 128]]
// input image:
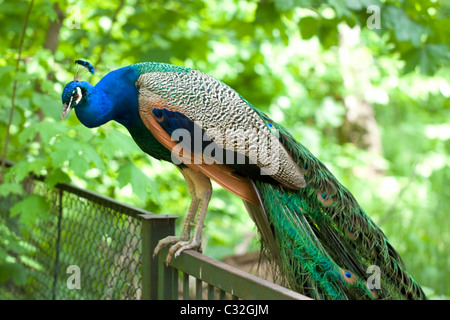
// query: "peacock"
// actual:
[[314, 232]]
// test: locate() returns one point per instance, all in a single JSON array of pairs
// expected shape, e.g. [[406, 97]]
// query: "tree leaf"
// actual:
[[9, 188], [428, 58], [30, 209], [50, 106], [64, 151], [23, 168], [405, 29], [46, 130], [115, 143], [15, 271], [55, 177], [130, 173], [90, 155], [308, 27]]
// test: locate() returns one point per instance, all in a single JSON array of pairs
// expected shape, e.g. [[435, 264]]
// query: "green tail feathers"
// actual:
[[328, 247]]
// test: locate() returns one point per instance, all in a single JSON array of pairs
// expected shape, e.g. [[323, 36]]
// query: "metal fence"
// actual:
[[110, 245]]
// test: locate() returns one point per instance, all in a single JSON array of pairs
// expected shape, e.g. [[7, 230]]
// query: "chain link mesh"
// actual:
[[88, 232]]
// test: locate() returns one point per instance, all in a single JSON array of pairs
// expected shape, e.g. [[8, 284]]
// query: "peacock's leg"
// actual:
[[200, 189], [203, 191], [186, 232]]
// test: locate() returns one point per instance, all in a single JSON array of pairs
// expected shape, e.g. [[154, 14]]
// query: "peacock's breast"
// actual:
[[148, 143]]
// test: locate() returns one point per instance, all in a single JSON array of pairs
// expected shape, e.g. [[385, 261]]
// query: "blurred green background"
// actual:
[[368, 94]]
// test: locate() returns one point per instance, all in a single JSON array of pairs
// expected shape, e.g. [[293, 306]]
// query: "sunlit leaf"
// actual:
[[30, 209]]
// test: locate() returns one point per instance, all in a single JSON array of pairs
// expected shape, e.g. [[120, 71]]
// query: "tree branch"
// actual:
[[11, 112]]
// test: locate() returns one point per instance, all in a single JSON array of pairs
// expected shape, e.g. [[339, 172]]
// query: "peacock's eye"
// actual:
[[76, 95]]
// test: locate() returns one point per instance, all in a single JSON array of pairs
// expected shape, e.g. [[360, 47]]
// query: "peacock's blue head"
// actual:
[[111, 98], [75, 93]]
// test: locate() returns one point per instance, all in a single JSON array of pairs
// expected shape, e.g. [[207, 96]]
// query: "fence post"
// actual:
[[156, 277]]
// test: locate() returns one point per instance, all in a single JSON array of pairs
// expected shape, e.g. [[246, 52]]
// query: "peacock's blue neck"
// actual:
[[119, 86], [115, 97]]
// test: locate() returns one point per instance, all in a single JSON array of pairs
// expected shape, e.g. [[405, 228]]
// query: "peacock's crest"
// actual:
[[82, 69]]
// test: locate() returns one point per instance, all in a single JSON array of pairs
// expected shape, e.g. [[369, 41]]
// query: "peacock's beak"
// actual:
[[66, 110]]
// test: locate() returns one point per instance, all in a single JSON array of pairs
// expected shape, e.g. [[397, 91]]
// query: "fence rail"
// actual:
[[221, 279], [111, 244]]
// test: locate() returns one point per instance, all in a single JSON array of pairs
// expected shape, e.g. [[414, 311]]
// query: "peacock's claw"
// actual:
[[181, 246], [167, 241]]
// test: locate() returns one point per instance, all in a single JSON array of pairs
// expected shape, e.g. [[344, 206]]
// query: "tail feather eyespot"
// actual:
[[324, 198]]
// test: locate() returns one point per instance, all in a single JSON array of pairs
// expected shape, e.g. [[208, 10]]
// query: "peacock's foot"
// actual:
[[167, 241], [180, 246]]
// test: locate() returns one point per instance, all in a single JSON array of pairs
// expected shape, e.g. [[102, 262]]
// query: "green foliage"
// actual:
[[30, 209], [299, 61]]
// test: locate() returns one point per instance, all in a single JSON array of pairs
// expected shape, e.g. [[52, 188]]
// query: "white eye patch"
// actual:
[[79, 95]]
